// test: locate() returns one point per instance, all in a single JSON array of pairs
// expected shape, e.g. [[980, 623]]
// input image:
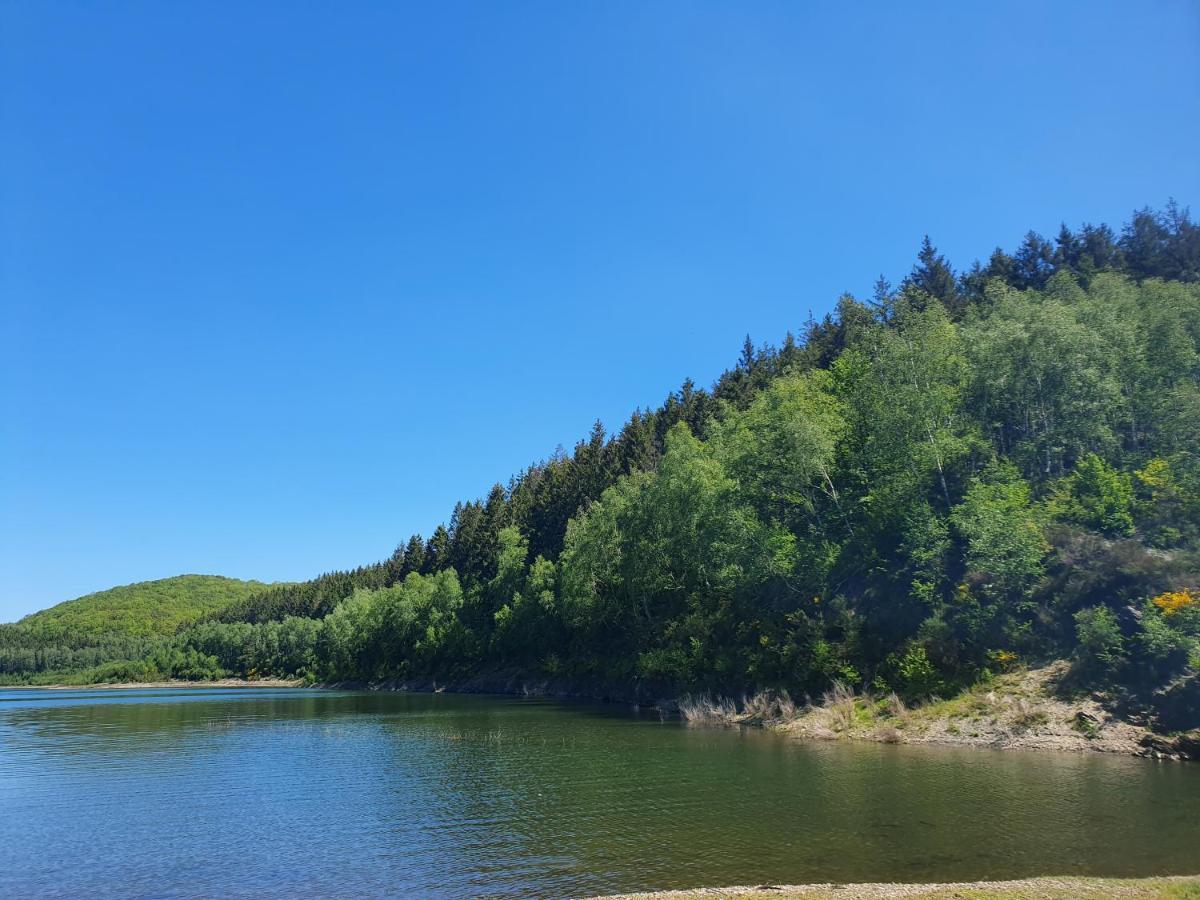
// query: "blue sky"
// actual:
[[281, 282]]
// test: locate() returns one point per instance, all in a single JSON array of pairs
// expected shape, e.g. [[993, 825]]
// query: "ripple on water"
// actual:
[[284, 792]]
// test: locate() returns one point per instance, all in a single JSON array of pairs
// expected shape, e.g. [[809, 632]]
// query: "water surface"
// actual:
[[284, 793]]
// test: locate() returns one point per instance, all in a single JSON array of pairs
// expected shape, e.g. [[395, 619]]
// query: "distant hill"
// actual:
[[144, 609]]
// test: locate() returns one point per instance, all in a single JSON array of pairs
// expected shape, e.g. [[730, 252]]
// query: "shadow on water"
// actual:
[[278, 792]]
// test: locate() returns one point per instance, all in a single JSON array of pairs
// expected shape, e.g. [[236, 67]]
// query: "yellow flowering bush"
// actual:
[[1173, 602], [1002, 660]]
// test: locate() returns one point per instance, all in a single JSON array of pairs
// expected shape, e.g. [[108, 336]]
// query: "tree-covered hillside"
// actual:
[[116, 623], [963, 473]]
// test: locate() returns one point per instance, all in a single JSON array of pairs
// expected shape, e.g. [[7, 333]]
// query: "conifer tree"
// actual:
[[437, 551], [933, 275], [1034, 262], [414, 555]]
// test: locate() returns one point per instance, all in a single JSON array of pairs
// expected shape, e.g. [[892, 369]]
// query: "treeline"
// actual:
[[957, 475], [541, 500], [27, 650], [122, 623]]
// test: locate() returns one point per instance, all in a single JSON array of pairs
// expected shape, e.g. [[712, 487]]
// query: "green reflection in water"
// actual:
[[279, 792]]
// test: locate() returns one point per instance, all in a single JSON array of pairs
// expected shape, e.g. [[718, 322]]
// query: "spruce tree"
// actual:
[[414, 555], [1034, 262], [437, 551], [933, 275]]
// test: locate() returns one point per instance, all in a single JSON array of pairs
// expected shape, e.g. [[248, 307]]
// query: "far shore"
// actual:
[[143, 685], [1181, 887]]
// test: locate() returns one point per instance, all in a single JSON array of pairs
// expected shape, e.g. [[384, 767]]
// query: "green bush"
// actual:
[[1101, 498], [913, 674], [1101, 644]]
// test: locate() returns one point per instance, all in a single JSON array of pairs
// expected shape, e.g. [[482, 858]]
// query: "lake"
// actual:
[[284, 793]]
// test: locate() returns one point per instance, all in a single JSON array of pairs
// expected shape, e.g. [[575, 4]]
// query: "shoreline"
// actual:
[[1014, 712], [1021, 710], [1168, 887], [174, 683]]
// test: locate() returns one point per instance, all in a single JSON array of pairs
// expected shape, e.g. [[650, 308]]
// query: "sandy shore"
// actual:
[[1178, 888]]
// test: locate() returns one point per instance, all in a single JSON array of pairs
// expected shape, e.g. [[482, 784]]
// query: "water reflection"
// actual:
[[280, 792]]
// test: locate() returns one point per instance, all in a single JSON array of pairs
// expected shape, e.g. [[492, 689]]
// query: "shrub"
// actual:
[[1101, 497], [1167, 503], [913, 674], [1101, 644], [1162, 649], [1173, 602]]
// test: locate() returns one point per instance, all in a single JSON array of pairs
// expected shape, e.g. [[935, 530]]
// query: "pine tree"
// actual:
[[414, 555], [1067, 251], [883, 299], [437, 551], [933, 275], [748, 357], [1034, 262], [1182, 252], [493, 518], [1001, 265], [972, 282], [1098, 250]]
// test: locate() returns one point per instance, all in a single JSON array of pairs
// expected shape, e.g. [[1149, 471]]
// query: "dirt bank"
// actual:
[[1018, 711], [1023, 710]]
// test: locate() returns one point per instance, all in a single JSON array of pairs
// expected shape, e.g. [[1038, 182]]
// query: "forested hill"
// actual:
[[964, 472], [145, 608], [107, 624]]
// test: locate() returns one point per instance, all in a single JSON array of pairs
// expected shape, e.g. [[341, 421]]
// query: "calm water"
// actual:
[[283, 793]]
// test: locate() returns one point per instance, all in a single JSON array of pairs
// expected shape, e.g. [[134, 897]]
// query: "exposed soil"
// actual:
[[1018, 711]]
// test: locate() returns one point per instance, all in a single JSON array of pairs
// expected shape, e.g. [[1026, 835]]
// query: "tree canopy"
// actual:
[[967, 471]]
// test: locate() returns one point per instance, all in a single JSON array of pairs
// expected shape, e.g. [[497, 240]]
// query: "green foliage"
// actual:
[[1044, 382], [1164, 647], [1005, 546], [1168, 499], [1101, 498], [913, 674], [781, 449], [661, 566], [143, 609], [1101, 643], [408, 629], [280, 649], [916, 491], [122, 623]]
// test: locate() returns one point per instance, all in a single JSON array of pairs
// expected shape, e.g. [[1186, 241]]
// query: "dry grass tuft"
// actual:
[[895, 706], [889, 734], [705, 710], [765, 707], [839, 701]]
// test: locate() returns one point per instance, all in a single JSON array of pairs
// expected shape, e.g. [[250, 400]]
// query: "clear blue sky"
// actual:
[[281, 282]]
